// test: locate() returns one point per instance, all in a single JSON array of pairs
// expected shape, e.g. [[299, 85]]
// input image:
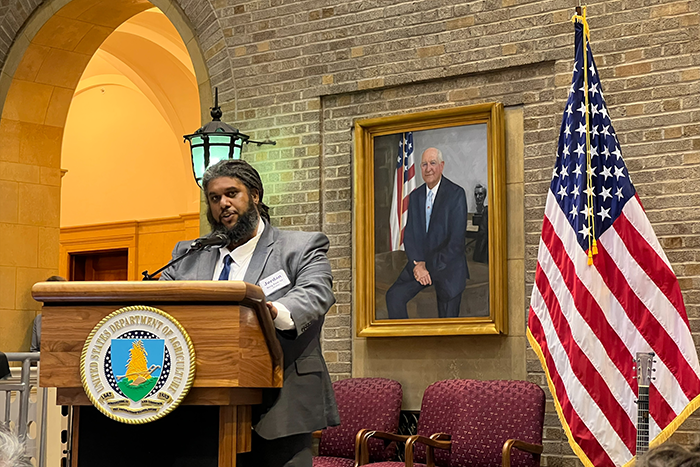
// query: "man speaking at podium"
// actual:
[[295, 275]]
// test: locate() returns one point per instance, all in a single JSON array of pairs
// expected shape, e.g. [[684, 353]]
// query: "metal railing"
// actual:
[[23, 387]]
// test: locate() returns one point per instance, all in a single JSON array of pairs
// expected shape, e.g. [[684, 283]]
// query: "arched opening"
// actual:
[[41, 76], [127, 194], [123, 134]]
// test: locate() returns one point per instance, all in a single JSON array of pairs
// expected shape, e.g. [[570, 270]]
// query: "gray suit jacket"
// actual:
[[306, 401]]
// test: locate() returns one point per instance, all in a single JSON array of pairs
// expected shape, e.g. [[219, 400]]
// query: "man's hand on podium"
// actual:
[[273, 310]]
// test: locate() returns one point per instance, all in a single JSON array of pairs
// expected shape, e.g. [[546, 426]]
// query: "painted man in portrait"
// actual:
[[434, 242]]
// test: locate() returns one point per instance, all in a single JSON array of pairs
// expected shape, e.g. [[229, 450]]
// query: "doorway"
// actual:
[[100, 266]]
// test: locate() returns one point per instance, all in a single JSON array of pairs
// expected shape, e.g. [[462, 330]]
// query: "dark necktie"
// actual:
[[227, 268]]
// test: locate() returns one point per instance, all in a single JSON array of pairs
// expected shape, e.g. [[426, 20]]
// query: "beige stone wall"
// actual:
[[44, 50]]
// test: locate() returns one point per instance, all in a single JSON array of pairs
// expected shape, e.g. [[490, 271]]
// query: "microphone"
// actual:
[[216, 239]]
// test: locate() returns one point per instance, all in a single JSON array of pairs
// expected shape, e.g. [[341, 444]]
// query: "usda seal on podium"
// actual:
[[137, 364]]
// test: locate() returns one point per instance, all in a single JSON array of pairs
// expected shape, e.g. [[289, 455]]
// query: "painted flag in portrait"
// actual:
[[605, 290], [404, 184]]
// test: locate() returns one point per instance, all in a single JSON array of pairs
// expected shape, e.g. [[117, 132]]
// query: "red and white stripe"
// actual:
[[402, 190], [588, 322]]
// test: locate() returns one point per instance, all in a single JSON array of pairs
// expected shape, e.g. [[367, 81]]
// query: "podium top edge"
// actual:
[[155, 291]]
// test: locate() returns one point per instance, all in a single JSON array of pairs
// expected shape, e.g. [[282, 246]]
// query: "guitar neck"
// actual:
[[643, 420], [643, 364]]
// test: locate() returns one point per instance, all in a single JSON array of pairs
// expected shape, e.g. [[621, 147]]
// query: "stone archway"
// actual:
[[39, 77]]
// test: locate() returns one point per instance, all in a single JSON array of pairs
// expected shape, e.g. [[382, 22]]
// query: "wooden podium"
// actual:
[[237, 351]]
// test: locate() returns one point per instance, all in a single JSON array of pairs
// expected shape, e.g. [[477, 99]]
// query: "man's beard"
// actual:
[[243, 229]]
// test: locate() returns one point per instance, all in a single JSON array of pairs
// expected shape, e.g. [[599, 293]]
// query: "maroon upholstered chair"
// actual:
[[469, 423], [373, 403]]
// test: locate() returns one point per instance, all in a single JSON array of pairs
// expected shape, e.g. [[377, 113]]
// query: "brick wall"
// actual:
[[304, 71], [301, 72], [648, 62]]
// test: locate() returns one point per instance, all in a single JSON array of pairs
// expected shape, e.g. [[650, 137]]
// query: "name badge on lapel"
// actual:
[[273, 283]]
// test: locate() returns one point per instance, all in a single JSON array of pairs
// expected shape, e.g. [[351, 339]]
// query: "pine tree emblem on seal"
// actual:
[[137, 364]]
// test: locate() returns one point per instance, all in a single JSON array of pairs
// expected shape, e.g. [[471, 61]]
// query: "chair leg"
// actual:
[[361, 450]]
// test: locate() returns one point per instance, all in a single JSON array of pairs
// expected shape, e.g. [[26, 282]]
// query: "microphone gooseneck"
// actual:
[[215, 239]]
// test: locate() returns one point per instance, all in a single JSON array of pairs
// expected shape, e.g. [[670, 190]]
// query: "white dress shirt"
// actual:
[[241, 260], [434, 190]]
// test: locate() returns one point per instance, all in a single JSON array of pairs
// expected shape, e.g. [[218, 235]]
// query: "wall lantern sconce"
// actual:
[[216, 141]]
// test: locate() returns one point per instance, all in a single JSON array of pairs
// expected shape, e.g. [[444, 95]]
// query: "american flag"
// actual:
[[592, 311], [404, 184]]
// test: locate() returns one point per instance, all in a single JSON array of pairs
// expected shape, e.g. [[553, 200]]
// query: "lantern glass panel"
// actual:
[[217, 154], [196, 140], [198, 161], [219, 139]]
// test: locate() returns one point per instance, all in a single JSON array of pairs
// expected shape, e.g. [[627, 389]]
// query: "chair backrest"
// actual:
[[438, 411], [372, 403], [495, 412], [480, 416]]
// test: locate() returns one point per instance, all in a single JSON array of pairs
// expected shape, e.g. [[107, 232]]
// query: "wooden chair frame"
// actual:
[[435, 441]]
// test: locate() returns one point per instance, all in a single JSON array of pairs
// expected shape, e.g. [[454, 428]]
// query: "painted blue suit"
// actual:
[[441, 247]]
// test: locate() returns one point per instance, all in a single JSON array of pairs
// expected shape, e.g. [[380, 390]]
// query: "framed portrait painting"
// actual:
[[430, 229]]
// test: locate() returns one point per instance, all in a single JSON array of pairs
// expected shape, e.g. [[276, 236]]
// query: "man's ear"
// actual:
[[256, 197]]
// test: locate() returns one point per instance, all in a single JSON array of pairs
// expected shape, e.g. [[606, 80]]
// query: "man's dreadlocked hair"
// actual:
[[244, 172]]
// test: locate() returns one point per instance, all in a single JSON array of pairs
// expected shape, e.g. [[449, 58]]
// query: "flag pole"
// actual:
[[590, 215]]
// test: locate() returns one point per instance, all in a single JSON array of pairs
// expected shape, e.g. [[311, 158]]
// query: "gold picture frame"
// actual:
[[485, 121]]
